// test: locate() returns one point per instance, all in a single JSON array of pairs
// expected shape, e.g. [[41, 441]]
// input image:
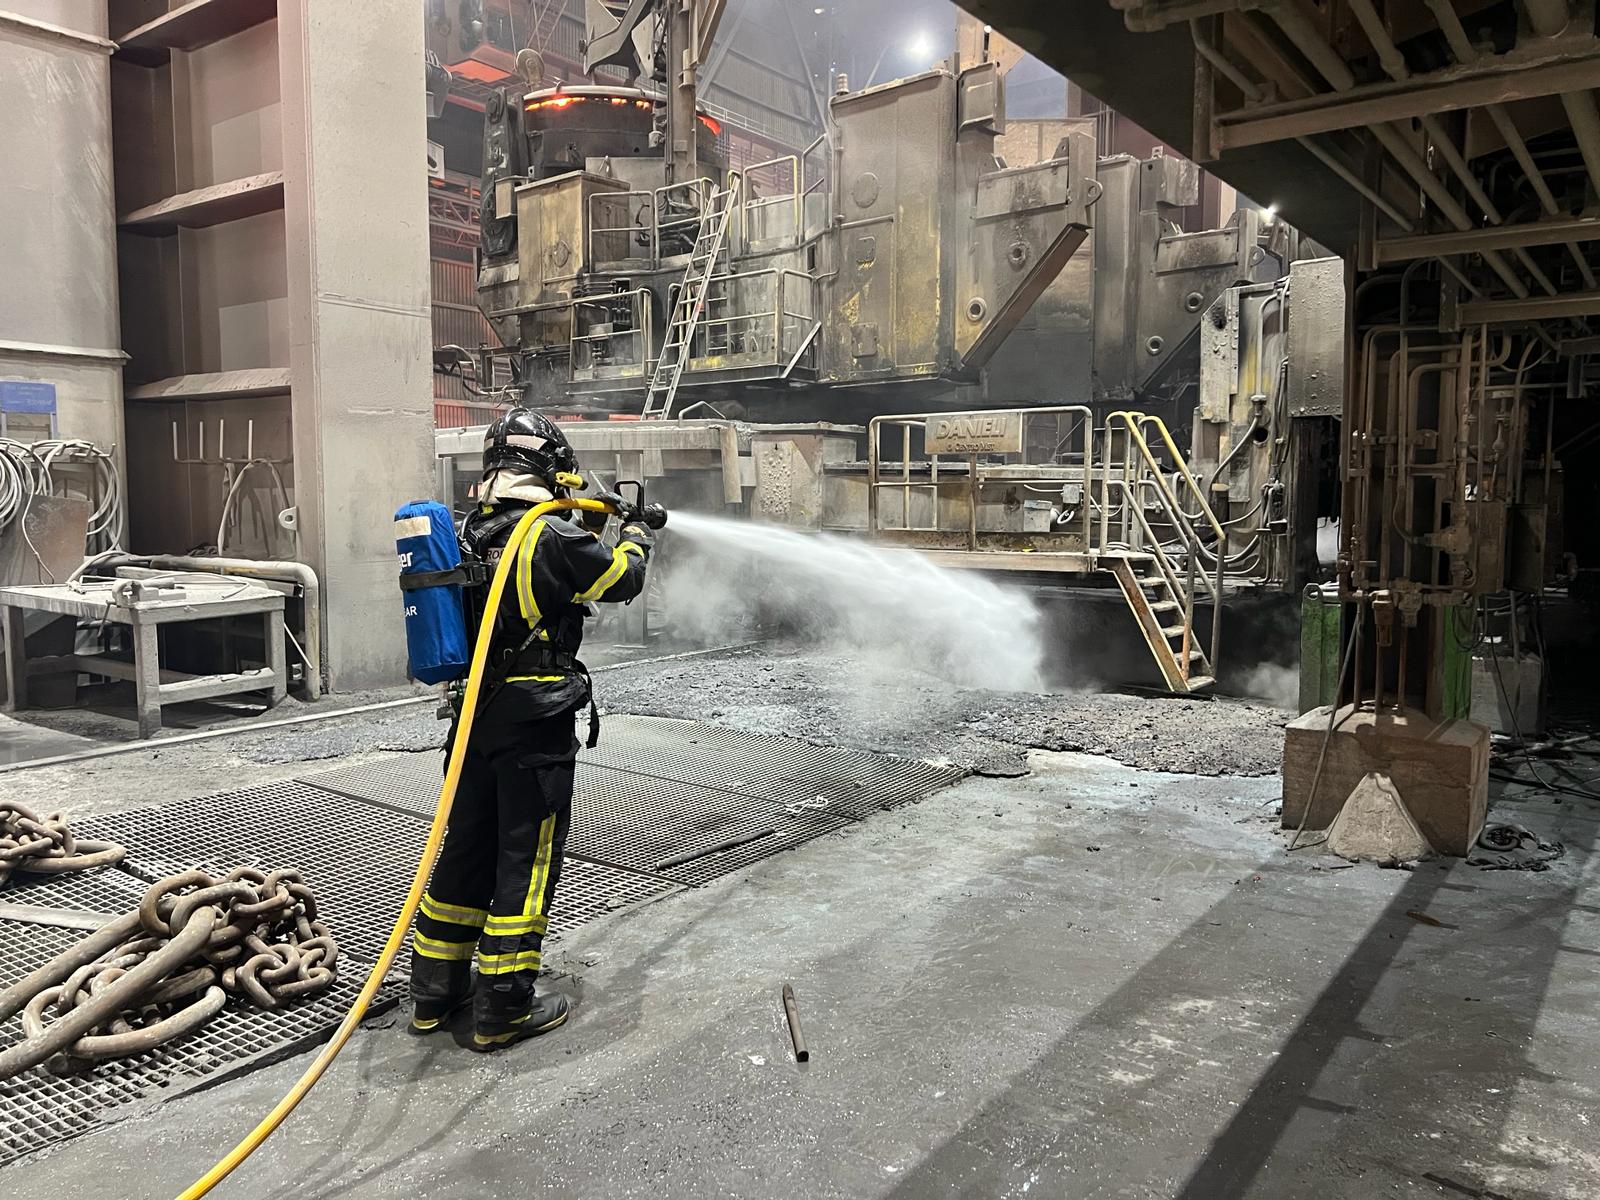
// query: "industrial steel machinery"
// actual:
[[881, 268]]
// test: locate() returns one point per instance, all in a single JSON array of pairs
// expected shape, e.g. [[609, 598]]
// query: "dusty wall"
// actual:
[[58, 310], [360, 337]]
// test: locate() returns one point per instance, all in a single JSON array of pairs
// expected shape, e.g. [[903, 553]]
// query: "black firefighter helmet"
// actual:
[[525, 440]]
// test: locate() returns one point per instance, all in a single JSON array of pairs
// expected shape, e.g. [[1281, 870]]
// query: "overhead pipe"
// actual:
[[1547, 18], [281, 569], [1394, 63], [1297, 24], [1203, 45], [1455, 36], [1141, 16], [1253, 91], [1584, 118]]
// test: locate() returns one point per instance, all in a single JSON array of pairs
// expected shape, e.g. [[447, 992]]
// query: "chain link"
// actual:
[[168, 967], [45, 845]]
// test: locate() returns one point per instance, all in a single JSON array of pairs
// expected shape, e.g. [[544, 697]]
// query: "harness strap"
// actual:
[[463, 575]]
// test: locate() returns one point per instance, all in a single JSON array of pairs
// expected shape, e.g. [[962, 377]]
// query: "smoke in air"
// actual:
[[1278, 685], [842, 593]]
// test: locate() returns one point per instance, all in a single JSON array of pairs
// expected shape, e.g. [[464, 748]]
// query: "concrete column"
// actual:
[[58, 255], [355, 198]]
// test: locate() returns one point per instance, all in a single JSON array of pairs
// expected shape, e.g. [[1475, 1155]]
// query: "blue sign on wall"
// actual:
[[27, 396]]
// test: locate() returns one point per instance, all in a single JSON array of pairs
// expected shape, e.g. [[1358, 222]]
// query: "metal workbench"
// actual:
[[116, 602]]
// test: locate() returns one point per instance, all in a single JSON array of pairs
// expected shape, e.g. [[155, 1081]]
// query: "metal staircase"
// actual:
[[545, 21], [1131, 507], [1164, 611], [710, 239]]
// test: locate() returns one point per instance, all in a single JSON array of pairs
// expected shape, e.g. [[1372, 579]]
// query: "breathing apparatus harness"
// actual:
[[444, 572], [534, 654]]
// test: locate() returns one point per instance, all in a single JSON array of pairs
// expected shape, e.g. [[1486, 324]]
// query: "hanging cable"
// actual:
[[233, 494]]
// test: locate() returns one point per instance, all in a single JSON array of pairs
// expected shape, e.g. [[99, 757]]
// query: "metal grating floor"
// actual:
[[38, 1109], [357, 859], [108, 890], [658, 792], [729, 768], [653, 824], [619, 819], [652, 805]]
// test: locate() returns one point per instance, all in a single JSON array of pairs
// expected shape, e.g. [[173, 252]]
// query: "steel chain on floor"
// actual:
[[45, 845], [167, 967]]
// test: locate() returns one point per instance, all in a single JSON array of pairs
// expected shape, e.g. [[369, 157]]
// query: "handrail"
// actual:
[[910, 421], [701, 188], [772, 312], [1169, 571], [642, 313], [1184, 529], [794, 197], [599, 200], [1134, 421], [822, 178]]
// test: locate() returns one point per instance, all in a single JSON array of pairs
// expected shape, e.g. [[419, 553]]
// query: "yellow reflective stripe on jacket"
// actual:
[[534, 905], [535, 678], [506, 964], [449, 951], [525, 597], [513, 926], [619, 564], [454, 914]]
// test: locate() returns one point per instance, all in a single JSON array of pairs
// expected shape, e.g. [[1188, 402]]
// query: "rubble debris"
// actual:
[[1510, 847]]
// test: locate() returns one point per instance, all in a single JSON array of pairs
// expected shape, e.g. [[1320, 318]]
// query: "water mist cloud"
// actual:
[[878, 603]]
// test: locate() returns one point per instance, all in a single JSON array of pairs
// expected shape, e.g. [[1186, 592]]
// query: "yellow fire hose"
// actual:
[[430, 851]]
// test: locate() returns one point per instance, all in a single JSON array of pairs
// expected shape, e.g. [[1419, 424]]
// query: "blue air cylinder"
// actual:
[[430, 581]]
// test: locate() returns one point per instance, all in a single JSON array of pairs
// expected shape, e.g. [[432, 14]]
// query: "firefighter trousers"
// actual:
[[497, 872]]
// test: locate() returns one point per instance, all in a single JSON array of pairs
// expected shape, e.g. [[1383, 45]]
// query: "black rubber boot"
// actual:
[[438, 989], [495, 1032], [430, 1015]]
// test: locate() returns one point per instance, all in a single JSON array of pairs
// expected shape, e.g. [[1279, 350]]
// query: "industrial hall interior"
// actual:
[[800, 598]]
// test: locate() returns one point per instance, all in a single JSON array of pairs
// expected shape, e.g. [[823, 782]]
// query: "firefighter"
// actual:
[[501, 861]]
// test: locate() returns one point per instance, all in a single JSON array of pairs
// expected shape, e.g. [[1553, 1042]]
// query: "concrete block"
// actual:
[[1440, 767], [1375, 826]]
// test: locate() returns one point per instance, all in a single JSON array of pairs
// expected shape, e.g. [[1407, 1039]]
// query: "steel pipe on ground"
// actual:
[[276, 569]]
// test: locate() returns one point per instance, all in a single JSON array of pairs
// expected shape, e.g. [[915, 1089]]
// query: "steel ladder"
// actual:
[[710, 238]]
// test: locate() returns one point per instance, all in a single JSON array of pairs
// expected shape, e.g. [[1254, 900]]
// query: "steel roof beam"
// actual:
[[1499, 237], [1533, 308], [1422, 96]]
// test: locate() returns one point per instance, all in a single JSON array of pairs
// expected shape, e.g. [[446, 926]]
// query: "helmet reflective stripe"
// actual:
[[526, 440]]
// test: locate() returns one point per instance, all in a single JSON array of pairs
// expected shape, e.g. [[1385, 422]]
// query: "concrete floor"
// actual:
[[1092, 981]]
